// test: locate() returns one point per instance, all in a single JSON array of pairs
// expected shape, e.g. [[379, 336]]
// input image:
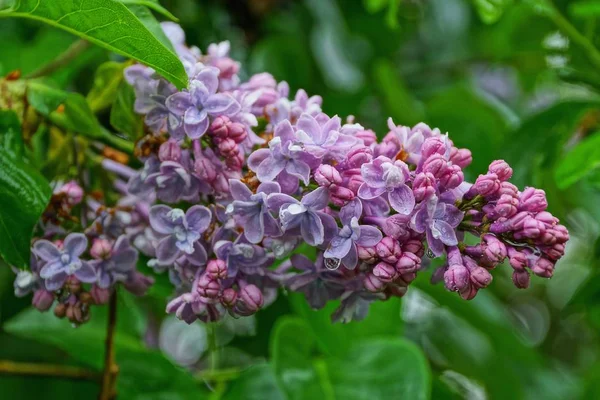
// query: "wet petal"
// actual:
[[198, 218], [239, 190], [178, 103], [277, 200], [338, 247], [369, 236], [270, 168], [443, 231], [160, 221], [351, 259], [195, 123], [367, 192], [402, 199], [298, 169], [311, 228], [317, 199]]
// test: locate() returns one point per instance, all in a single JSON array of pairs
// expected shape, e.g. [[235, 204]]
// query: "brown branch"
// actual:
[[111, 369], [48, 370]]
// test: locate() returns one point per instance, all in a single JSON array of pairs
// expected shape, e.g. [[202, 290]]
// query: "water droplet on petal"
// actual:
[[332, 263]]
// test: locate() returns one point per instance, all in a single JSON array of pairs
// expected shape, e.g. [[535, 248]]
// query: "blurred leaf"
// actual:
[[578, 162], [24, 194], [106, 83], [490, 11], [151, 23], [107, 23], [10, 133], [122, 116], [153, 5], [374, 6], [585, 9], [255, 383]]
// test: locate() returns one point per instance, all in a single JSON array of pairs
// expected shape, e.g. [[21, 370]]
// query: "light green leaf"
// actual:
[[585, 9], [580, 161], [122, 116], [490, 11], [107, 23], [153, 5], [106, 83], [256, 383], [24, 194]]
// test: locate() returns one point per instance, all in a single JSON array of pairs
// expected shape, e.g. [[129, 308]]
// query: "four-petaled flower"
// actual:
[[343, 246], [244, 256], [60, 263], [439, 220], [118, 265], [322, 138], [383, 175], [182, 231]]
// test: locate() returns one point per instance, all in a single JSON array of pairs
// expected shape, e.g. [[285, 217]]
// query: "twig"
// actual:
[[49, 370], [109, 375], [61, 60]]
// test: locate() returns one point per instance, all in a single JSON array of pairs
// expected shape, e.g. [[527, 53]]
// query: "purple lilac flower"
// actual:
[[117, 264], [243, 256], [174, 182], [384, 176], [305, 215], [322, 138], [189, 111], [283, 161], [61, 263], [251, 212], [439, 221], [343, 246], [181, 231]]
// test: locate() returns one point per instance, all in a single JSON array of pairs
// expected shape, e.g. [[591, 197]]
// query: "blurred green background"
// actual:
[[510, 79]]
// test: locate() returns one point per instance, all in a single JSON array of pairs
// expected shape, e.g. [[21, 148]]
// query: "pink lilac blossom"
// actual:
[[234, 199]]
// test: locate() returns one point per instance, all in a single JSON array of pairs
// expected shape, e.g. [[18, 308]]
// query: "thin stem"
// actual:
[[50, 370], [62, 60], [109, 375], [212, 347]]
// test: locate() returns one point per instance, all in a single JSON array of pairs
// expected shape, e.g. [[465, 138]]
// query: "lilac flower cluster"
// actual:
[[227, 207]]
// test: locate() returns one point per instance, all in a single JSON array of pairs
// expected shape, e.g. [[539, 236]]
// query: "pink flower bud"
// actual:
[[216, 269], [367, 254], [340, 195], [408, 263], [237, 132], [227, 147], [456, 278], [205, 169], [99, 295], [353, 180], [435, 165], [73, 191], [229, 297], [487, 185], [543, 267], [431, 146], [509, 189], [493, 249], [452, 177], [218, 128], [385, 272], [480, 277], [555, 252], [235, 161], [506, 206], [413, 246], [397, 226], [357, 157], [406, 279], [252, 298], [460, 157], [368, 137], [227, 67], [423, 186], [388, 250], [326, 175], [468, 293], [169, 151], [517, 259], [501, 169], [101, 248], [208, 287], [42, 299], [531, 229], [521, 279], [373, 284], [533, 200]]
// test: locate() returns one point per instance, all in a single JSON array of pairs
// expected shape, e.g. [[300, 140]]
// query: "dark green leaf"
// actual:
[[153, 5], [24, 194], [106, 83], [122, 116], [107, 23], [11, 137], [256, 383], [579, 162]]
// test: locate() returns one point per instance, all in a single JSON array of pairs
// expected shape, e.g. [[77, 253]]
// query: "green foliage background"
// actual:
[[511, 79]]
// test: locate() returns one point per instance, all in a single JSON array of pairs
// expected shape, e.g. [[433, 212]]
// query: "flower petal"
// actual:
[[277, 200], [167, 251], [195, 123], [199, 256], [317, 199], [373, 175], [254, 229], [311, 131], [198, 218], [178, 103], [257, 157], [352, 209], [268, 188], [51, 269], [402, 199], [311, 229], [367, 192], [443, 231], [219, 103], [160, 221], [46, 250], [75, 244], [86, 273], [270, 168], [369, 236], [338, 247], [351, 259], [298, 169], [239, 191]]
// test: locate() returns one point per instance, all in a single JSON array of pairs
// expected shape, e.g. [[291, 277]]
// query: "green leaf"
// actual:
[[11, 137], [490, 11], [122, 116], [579, 162], [24, 194], [585, 9], [106, 84], [153, 5], [255, 383], [107, 23]]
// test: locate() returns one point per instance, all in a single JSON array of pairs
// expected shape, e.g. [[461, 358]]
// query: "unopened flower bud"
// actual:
[[543, 267], [367, 254], [506, 206], [229, 297], [227, 146], [502, 170], [456, 278], [367, 136], [205, 169], [493, 249], [521, 279], [452, 177], [533, 200], [487, 185], [73, 192], [509, 189], [169, 151], [423, 186], [480, 277], [435, 165], [385, 272], [413, 246], [101, 248], [373, 284], [60, 310], [409, 262], [397, 226], [431, 146], [208, 287], [219, 127], [237, 132], [326, 175], [251, 299], [216, 269], [99, 295], [42, 299], [341, 195], [388, 250], [460, 157]]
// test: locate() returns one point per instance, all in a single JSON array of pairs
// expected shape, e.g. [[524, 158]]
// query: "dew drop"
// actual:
[[332, 263]]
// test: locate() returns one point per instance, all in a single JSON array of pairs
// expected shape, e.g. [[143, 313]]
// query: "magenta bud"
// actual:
[[506, 206], [406, 279], [227, 146], [397, 226], [219, 127], [101, 248], [543, 267], [237, 132], [373, 284], [460, 157], [326, 175], [42, 299], [521, 279], [216, 269], [487, 185], [501, 169], [385, 272], [493, 249], [561, 233], [435, 165], [208, 287], [413, 246], [138, 283], [205, 169], [367, 254], [169, 151], [229, 297], [452, 177], [509, 189], [431, 146], [252, 298], [354, 180], [517, 259], [468, 293], [423, 186], [99, 295], [357, 157], [456, 278], [531, 229], [340, 195], [73, 191], [480, 277], [533, 200], [388, 250], [227, 67], [368, 137], [555, 252], [408, 263]]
